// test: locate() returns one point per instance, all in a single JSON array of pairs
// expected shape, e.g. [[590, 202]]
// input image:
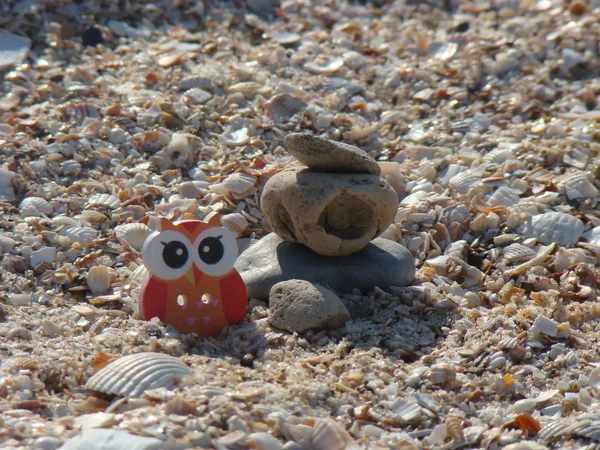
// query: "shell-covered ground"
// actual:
[[487, 113]]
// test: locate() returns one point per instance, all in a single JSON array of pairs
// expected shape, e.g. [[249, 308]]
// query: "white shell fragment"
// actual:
[[132, 375], [7, 192], [561, 228], [13, 49]]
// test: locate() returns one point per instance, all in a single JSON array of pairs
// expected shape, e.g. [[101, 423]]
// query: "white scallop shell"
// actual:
[[518, 252], [80, 234], [98, 279], [442, 374], [462, 182], [132, 375], [236, 223], [564, 229], [133, 233], [34, 207], [104, 200]]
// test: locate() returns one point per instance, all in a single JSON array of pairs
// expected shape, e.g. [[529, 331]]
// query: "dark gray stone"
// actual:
[[382, 263]]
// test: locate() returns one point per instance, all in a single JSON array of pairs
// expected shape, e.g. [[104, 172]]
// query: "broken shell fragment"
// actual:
[[132, 375]]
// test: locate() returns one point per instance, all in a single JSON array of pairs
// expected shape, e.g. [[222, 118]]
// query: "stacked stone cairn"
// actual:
[[326, 215]]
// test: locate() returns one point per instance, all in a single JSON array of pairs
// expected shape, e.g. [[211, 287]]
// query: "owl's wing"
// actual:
[[234, 297], [153, 299]]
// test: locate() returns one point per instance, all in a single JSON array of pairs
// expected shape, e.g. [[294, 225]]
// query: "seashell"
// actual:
[[133, 233], [544, 325], [19, 363], [240, 184], [496, 361], [336, 84], [14, 264], [503, 196], [327, 68], [132, 375], [563, 229], [234, 138], [392, 173], [329, 435], [7, 244], [406, 411], [463, 182], [248, 88], [286, 37], [197, 96], [178, 405], [80, 111], [236, 223], [179, 150], [455, 427], [577, 157], [284, 106], [35, 207], [518, 252], [71, 167], [442, 50], [98, 279], [94, 218], [567, 257], [80, 234], [442, 374], [578, 185], [264, 441], [13, 49], [43, 255], [553, 430], [542, 254], [103, 201]]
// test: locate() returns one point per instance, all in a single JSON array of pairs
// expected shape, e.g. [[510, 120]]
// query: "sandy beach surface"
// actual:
[[484, 115]]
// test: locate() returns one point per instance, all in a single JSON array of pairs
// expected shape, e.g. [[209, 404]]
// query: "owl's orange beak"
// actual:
[[193, 275]]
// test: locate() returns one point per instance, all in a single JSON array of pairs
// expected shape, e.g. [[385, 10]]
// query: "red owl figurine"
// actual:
[[192, 284]]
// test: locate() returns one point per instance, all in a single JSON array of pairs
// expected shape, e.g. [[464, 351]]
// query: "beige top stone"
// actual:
[[324, 155]]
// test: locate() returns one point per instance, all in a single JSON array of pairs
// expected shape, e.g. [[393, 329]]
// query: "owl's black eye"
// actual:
[[175, 254], [211, 250]]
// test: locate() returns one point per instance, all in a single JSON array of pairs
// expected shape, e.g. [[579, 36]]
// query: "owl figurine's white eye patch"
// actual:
[[167, 254], [215, 251]]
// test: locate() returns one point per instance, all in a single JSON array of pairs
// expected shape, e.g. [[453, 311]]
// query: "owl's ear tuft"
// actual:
[[213, 219], [157, 223]]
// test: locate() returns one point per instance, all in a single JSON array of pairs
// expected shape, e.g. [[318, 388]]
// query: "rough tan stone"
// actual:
[[332, 213], [324, 155]]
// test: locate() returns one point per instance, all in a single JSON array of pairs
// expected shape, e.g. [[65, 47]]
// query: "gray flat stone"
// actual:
[[298, 305], [382, 263], [101, 439], [324, 155]]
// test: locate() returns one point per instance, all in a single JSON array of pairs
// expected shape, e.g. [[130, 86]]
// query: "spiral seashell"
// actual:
[[132, 375]]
